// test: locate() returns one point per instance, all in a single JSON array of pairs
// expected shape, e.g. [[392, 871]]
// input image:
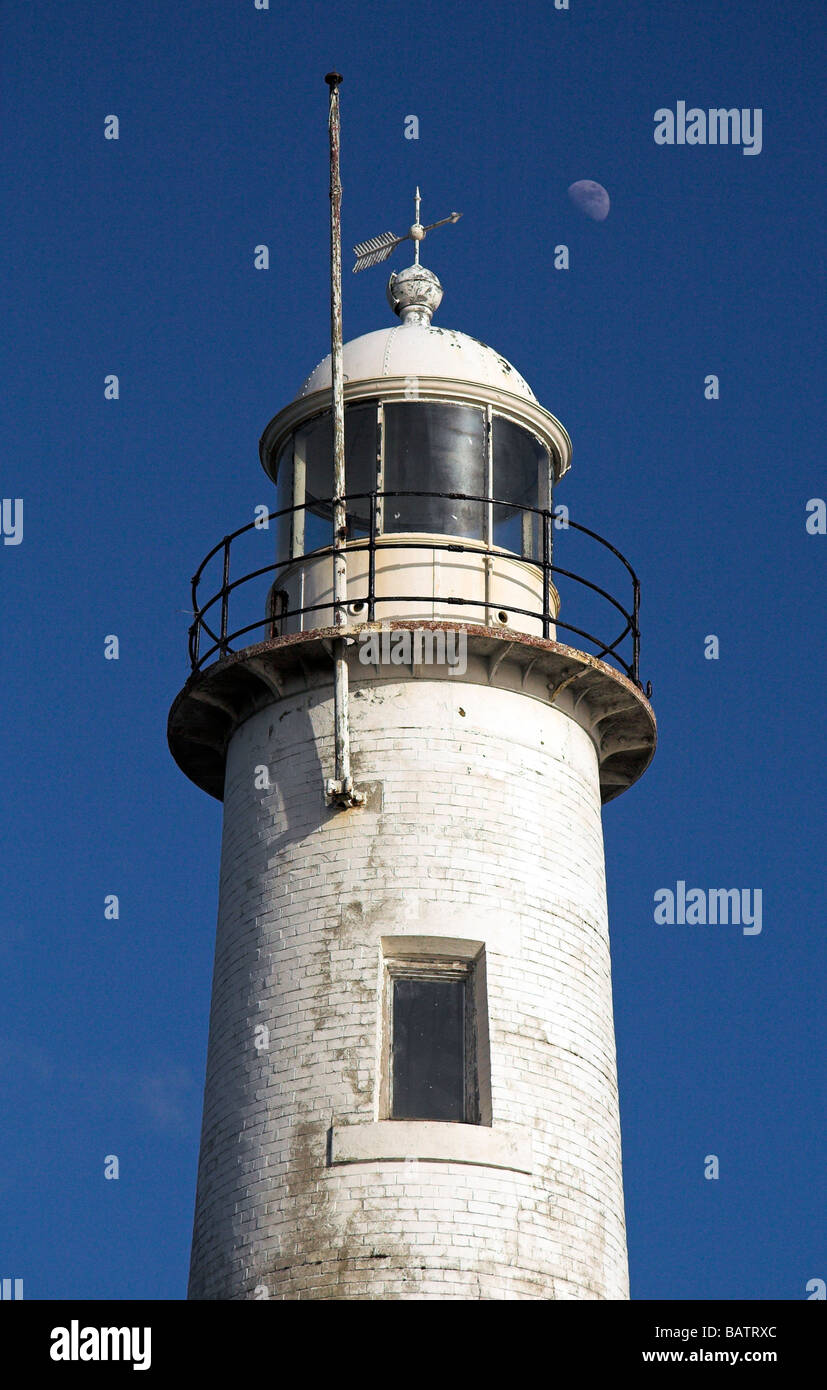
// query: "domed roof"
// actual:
[[421, 350], [415, 348]]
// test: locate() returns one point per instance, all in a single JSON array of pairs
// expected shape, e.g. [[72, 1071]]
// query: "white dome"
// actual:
[[421, 350]]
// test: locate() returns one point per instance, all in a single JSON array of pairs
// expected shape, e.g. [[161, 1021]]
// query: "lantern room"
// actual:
[[450, 464]]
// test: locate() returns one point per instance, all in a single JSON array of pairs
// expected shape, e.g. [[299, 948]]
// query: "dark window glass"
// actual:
[[314, 443], [521, 475], [435, 448], [361, 464], [428, 1049]]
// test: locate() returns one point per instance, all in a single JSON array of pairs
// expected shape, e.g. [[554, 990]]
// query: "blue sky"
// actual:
[[136, 257]]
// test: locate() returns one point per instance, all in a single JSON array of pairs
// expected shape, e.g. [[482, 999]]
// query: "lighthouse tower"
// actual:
[[411, 1085]]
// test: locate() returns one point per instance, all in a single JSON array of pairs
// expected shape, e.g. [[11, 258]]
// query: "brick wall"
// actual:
[[483, 823]]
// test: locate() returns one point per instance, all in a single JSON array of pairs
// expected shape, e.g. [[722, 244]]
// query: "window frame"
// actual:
[[476, 1065]]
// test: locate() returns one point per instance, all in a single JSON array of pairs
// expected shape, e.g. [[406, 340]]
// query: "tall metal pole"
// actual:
[[340, 789]]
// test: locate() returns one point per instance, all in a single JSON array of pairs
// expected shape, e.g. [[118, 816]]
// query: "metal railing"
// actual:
[[218, 604]]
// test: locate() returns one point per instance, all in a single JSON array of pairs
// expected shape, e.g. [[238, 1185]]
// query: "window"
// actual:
[[311, 480], [521, 476], [398, 447], [436, 1040], [428, 1048], [435, 448]]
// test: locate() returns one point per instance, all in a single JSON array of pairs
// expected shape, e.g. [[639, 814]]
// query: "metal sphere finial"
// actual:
[[414, 294]]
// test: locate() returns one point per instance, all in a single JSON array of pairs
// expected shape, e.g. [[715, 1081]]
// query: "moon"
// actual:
[[591, 198]]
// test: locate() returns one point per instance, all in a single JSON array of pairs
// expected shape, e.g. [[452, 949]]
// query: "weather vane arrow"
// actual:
[[378, 248]]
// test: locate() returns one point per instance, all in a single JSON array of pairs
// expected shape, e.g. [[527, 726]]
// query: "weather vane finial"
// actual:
[[378, 249]]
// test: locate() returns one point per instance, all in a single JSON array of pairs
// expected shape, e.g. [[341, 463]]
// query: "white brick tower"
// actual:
[[411, 1085]]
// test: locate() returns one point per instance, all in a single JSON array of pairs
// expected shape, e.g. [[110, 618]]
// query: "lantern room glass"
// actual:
[[429, 447], [436, 449], [522, 478], [313, 457]]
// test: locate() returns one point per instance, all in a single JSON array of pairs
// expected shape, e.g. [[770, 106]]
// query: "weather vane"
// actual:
[[379, 247]]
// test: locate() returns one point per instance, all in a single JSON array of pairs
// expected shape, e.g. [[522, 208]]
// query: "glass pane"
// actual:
[[361, 464], [428, 1049], [314, 442], [521, 476], [435, 448]]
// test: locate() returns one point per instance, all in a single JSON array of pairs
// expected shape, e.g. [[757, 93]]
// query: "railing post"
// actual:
[[546, 572], [196, 623], [225, 597], [636, 633], [373, 502]]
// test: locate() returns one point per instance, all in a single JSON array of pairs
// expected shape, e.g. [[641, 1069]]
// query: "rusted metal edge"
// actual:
[[199, 731]]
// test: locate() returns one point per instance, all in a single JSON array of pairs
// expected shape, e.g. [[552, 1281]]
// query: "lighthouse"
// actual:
[[411, 1087]]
